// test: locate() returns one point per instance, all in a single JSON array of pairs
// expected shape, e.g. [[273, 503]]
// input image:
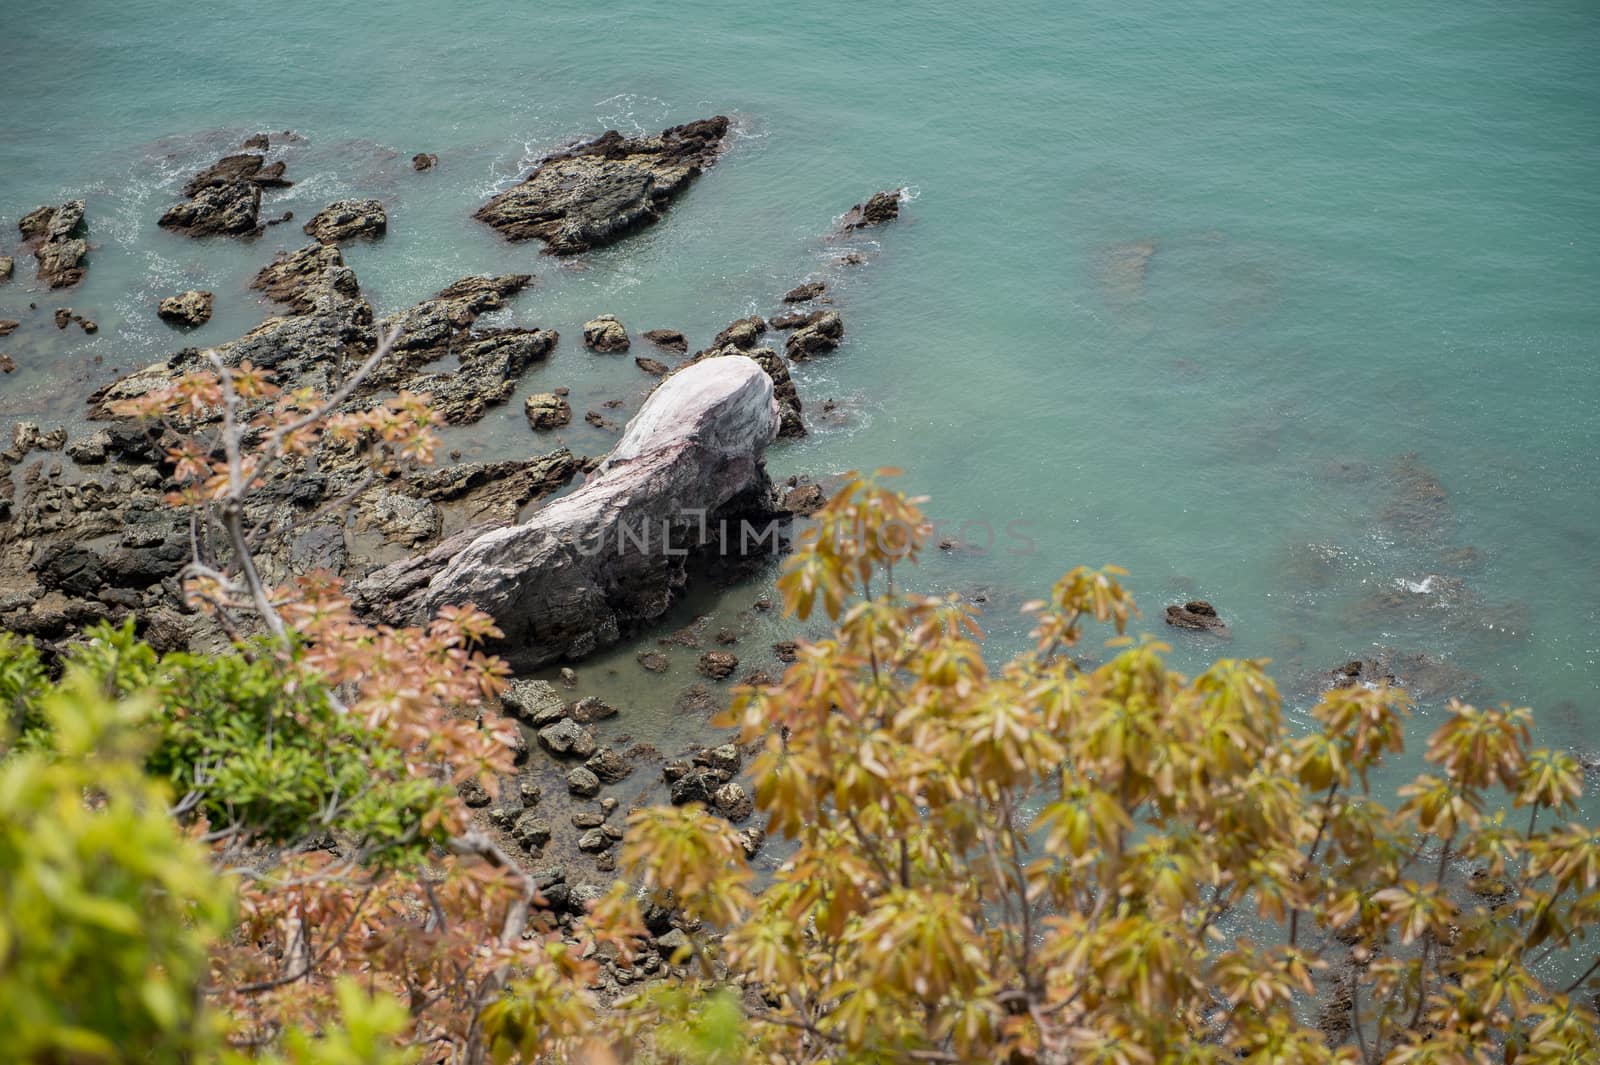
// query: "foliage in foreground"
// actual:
[[241, 856]]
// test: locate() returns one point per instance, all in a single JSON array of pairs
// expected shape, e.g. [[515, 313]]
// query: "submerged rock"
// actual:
[[611, 554], [805, 293], [190, 308], [347, 220], [424, 161], [597, 192], [58, 237], [1197, 615], [667, 340]]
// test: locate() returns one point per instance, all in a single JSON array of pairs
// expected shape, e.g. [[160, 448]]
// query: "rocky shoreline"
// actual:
[[86, 534]]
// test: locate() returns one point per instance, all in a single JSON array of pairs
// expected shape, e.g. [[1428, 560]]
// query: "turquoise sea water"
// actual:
[[1178, 286]]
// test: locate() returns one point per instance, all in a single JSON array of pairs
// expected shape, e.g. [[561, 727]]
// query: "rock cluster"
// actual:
[[224, 199], [59, 239], [597, 192]]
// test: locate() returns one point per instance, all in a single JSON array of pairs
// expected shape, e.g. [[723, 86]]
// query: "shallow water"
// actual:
[[1179, 289]]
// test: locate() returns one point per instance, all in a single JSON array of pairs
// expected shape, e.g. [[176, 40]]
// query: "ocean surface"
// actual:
[[1292, 307]]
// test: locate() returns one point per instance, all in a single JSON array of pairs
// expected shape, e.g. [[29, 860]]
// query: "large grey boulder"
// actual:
[[612, 553]]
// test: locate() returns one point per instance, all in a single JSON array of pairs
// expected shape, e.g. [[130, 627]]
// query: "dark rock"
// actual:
[[795, 319], [594, 841], [567, 739], [597, 192], [88, 325], [733, 802], [605, 334], [589, 710], [880, 208], [724, 758], [189, 309], [546, 410], [7, 364], [70, 568], [8, 326], [503, 815], [805, 293], [698, 784], [472, 793], [742, 333], [667, 340], [804, 499], [652, 367], [347, 220], [718, 665], [226, 210], [58, 237], [424, 161], [600, 421], [751, 840], [819, 337], [63, 317], [786, 650], [653, 661], [531, 831], [1197, 615], [229, 170], [608, 766], [583, 783], [255, 142]]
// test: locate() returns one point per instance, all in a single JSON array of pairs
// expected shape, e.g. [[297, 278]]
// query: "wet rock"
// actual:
[[751, 840], [653, 661], [91, 450], [255, 142], [786, 651], [88, 325], [805, 293], [562, 583], [567, 739], [534, 701], [8, 326], [424, 161], [531, 831], [605, 334], [607, 765], [569, 677], [600, 421], [880, 208], [718, 665], [347, 220], [597, 192], [819, 337], [583, 783], [652, 367], [7, 266], [7, 364], [1196, 615], [742, 333], [697, 784], [216, 210], [58, 238], [308, 278], [546, 410], [795, 319], [695, 699], [667, 340], [724, 758], [591, 709], [229, 170], [63, 317], [188, 309], [733, 802], [804, 499]]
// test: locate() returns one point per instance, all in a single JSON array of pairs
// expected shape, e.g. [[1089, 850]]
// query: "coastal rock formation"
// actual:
[[216, 210], [611, 554], [189, 309], [58, 237], [790, 425], [880, 208], [597, 192], [605, 334], [805, 293], [348, 219], [1196, 615], [225, 197], [653, 367], [424, 161], [546, 410], [818, 337]]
